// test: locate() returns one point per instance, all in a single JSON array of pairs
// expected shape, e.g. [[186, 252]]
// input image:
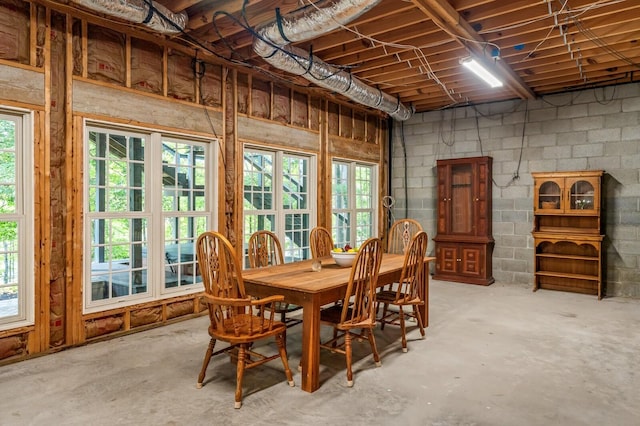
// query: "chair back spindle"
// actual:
[[264, 249], [400, 235], [359, 303], [321, 242]]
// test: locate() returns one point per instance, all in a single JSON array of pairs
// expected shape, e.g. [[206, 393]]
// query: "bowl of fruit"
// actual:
[[344, 256]]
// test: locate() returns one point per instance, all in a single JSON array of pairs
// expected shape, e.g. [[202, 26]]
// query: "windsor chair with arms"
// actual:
[[234, 316]]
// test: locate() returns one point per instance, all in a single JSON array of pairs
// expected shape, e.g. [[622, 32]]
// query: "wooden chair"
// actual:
[[400, 235], [407, 293], [355, 317], [321, 242], [234, 316], [265, 250], [399, 239]]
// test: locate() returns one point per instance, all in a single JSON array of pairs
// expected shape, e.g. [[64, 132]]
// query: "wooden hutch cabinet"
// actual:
[[464, 241], [567, 231]]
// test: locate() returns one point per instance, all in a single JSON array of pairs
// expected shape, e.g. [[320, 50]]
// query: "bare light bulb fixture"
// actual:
[[481, 72]]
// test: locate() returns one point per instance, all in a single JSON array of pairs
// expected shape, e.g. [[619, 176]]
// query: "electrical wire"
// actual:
[[587, 32], [555, 16], [582, 10], [420, 56], [187, 38], [406, 183], [452, 128], [516, 174], [604, 101]]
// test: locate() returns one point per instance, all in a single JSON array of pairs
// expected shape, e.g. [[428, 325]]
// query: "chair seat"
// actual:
[[286, 307], [333, 315], [245, 328], [390, 296]]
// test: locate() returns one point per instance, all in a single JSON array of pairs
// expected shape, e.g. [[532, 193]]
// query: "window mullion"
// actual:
[[153, 187], [278, 191]]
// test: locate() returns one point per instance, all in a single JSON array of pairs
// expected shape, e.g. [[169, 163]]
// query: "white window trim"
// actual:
[[278, 180], [25, 216], [153, 213], [352, 195]]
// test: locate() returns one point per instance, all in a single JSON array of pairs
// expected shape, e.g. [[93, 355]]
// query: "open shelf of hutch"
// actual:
[[567, 231]]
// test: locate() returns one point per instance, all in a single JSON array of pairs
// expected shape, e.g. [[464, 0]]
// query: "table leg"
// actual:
[[311, 345], [424, 309]]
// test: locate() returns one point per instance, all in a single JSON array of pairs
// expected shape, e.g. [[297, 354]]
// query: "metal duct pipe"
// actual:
[[146, 12], [273, 46]]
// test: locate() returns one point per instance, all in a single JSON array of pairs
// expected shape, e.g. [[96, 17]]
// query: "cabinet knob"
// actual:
[[459, 260]]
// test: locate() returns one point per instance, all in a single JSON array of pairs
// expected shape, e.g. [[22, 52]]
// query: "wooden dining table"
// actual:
[[301, 285]]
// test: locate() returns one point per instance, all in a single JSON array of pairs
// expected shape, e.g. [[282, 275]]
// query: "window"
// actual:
[[16, 220], [148, 196], [353, 201], [278, 191]]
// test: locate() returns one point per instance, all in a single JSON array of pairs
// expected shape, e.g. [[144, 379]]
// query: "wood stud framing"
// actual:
[[76, 323]]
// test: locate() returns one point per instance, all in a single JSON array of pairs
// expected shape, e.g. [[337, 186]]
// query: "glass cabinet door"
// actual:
[[549, 195], [581, 195], [461, 199]]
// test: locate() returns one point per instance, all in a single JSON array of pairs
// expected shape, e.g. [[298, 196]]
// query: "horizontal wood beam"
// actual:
[[447, 18]]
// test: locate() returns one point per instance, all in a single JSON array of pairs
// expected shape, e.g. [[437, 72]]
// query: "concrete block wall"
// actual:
[[583, 130]]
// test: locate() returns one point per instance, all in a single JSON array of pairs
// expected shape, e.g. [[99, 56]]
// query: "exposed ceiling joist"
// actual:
[[447, 18]]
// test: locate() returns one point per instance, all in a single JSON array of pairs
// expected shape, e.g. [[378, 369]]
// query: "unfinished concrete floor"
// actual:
[[497, 355]]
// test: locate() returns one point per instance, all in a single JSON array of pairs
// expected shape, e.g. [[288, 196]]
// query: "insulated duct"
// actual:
[[145, 12], [273, 40]]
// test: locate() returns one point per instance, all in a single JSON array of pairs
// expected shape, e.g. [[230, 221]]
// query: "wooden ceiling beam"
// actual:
[[398, 22], [495, 30], [425, 36], [381, 59], [592, 56], [450, 20], [177, 6], [606, 80], [624, 27]]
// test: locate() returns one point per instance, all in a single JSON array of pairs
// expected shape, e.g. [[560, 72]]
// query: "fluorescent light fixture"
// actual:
[[481, 72]]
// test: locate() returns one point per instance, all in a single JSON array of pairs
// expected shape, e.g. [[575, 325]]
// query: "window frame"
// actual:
[[152, 212], [277, 209], [352, 210], [24, 215]]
